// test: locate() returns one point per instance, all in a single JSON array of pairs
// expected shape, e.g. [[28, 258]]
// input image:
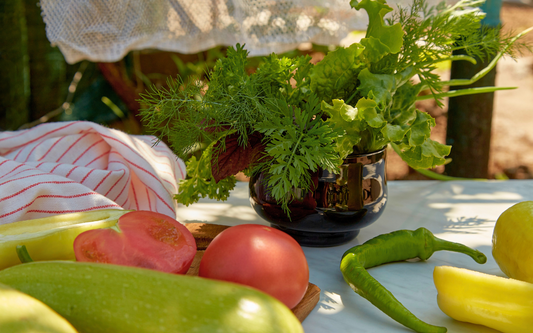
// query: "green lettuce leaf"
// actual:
[[377, 86], [368, 110], [345, 118], [403, 108], [333, 73], [375, 50], [361, 125], [395, 133], [426, 156], [421, 128], [390, 36]]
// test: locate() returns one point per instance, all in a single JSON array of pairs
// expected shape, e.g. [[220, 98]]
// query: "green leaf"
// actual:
[[421, 128], [298, 142], [403, 109], [334, 73], [350, 127], [345, 145], [403, 77], [394, 133], [390, 36], [426, 156], [367, 108], [200, 183], [375, 50], [230, 72], [434, 148], [347, 112], [379, 86]]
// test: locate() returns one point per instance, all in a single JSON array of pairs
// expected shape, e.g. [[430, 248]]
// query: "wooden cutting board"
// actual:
[[205, 232]]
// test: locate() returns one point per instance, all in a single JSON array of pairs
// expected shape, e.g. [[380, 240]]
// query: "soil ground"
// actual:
[[511, 153]]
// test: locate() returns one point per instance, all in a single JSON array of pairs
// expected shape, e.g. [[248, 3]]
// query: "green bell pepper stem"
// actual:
[[395, 246]]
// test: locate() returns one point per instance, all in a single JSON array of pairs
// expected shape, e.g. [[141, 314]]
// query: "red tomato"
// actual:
[[261, 257], [146, 239]]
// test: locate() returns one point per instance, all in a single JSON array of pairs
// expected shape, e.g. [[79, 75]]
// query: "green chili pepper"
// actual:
[[396, 246]]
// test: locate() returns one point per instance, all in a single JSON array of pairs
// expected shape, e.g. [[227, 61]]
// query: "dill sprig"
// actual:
[[177, 114], [433, 33], [197, 113]]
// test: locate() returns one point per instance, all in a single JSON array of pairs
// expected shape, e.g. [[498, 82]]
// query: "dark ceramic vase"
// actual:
[[336, 209]]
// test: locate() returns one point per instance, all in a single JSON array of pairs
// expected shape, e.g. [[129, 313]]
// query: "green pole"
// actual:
[[469, 121]]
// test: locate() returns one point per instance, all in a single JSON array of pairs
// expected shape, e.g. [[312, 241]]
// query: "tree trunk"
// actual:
[[14, 67]]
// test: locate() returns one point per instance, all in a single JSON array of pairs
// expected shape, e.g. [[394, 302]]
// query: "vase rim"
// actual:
[[375, 152]]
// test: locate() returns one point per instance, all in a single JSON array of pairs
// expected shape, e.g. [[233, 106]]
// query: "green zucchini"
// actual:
[[104, 298], [21, 313]]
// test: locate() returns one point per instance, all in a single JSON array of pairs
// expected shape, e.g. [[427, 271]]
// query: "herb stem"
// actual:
[[463, 92], [490, 66], [302, 134], [458, 57], [351, 97], [463, 3], [438, 176]]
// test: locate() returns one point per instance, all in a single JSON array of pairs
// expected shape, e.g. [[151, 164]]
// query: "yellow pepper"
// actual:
[[51, 238], [493, 301], [20, 312]]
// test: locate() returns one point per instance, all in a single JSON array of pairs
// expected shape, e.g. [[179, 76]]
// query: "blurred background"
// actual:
[[38, 85]]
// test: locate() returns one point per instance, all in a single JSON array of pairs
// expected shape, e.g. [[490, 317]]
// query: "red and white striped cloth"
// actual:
[[65, 167]]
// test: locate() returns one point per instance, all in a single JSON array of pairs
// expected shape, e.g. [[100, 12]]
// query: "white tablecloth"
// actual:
[[459, 211]]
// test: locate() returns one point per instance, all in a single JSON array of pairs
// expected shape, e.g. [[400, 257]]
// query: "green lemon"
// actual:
[[512, 241]]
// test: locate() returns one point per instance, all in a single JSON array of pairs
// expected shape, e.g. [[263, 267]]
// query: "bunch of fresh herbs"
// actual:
[[291, 117]]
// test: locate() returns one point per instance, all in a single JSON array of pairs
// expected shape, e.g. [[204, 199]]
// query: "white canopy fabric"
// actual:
[[106, 30]]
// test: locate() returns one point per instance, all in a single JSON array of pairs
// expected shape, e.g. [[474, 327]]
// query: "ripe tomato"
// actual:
[[261, 257], [144, 239]]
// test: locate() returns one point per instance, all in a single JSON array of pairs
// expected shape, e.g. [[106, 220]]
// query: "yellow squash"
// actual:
[[478, 298], [21, 313], [51, 238], [512, 241]]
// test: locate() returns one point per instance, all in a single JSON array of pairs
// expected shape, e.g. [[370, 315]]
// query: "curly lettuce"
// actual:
[[368, 91]]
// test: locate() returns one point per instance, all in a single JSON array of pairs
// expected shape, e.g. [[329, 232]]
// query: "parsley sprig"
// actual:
[[299, 143]]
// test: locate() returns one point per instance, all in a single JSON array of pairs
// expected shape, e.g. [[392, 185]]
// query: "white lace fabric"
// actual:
[[106, 30]]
